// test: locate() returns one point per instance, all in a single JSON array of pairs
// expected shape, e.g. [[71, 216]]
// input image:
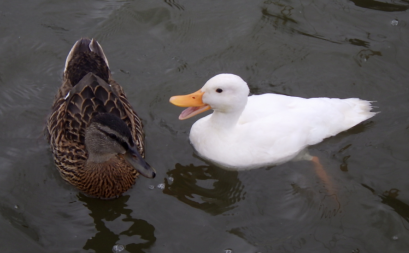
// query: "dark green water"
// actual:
[[156, 49]]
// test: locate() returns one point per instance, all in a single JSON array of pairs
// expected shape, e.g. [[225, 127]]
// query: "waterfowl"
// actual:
[[246, 132], [94, 134]]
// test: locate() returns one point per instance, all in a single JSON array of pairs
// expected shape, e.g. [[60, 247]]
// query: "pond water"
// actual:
[[156, 49]]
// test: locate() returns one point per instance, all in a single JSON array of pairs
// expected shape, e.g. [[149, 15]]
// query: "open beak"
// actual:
[[136, 160], [193, 102]]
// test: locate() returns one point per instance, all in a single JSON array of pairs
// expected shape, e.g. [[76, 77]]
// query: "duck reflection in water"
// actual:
[[205, 187], [106, 212]]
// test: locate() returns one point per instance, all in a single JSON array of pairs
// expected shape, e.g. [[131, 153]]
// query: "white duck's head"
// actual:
[[224, 93]]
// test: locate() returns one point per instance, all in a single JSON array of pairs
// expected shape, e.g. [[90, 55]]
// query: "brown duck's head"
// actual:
[[107, 136]]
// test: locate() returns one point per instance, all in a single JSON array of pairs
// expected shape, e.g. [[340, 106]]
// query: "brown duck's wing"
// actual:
[[132, 120], [71, 115], [93, 95], [90, 96], [55, 109], [69, 155]]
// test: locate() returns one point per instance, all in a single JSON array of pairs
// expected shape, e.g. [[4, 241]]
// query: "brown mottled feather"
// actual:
[[109, 181], [88, 89]]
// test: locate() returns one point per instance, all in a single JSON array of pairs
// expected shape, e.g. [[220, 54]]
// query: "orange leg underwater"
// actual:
[[322, 174]]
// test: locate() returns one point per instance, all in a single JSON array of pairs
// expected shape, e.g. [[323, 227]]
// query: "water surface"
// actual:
[[156, 49]]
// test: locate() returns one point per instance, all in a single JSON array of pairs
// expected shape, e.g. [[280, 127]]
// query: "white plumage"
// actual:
[[246, 132]]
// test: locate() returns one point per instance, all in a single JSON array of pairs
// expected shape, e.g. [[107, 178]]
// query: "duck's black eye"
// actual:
[[219, 90]]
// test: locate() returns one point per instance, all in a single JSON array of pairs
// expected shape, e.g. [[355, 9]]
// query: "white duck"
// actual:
[[246, 132]]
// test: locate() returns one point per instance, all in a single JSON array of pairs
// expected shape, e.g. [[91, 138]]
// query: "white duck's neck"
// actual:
[[226, 120]]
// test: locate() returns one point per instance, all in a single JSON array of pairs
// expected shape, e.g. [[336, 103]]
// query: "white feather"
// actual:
[[249, 132]]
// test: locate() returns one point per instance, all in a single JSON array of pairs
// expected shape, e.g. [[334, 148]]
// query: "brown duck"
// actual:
[[95, 135]]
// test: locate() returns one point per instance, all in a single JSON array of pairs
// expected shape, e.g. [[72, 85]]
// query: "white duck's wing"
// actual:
[[329, 116], [315, 118]]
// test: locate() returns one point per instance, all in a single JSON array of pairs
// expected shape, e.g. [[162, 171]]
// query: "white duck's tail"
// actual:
[[358, 110], [337, 116]]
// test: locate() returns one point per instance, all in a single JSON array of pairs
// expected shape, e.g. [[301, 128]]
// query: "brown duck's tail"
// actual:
[[86, 56]]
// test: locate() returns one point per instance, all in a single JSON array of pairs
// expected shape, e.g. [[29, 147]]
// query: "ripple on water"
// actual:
[[118, 248], [208, 188], [394, 22]]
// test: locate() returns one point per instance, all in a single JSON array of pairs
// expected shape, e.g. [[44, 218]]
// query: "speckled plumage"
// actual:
[[87, 90]]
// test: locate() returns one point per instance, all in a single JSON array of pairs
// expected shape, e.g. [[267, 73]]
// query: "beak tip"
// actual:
[[172, 100]]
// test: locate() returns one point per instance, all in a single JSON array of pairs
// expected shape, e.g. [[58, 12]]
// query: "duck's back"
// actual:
[[275, 128], [89, 97]]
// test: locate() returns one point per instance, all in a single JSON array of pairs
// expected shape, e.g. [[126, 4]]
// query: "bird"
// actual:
[[95, 136], [247, 132]]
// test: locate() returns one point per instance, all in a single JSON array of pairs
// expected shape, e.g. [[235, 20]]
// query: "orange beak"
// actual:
[[193, 102]]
